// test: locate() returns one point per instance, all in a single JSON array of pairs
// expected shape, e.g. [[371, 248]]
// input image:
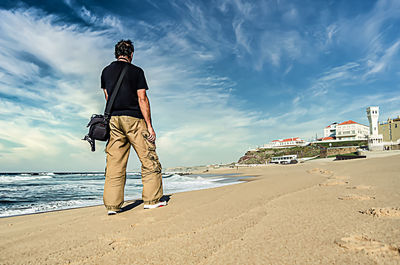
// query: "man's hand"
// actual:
[[152, 136]]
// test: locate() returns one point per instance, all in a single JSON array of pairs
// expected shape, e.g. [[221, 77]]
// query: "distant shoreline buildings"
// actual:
[[390, 129], [375, 140], [380, 136], [285, 143], [345, 131]]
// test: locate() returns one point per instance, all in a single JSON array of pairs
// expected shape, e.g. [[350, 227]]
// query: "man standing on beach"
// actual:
[[130, 125]]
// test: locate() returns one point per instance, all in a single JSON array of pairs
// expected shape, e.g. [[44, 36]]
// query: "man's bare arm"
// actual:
[[105, 94], [144, 105]]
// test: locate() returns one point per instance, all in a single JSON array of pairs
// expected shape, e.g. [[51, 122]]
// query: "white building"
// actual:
[[351, 130], [282, 143], [330, 130], [375, 140], [345, 131]]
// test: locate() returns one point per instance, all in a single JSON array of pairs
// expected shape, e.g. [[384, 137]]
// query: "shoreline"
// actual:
[[306, 213], [211, 169], [227, 176]]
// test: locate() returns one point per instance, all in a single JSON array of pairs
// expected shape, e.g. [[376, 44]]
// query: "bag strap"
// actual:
[[110, 102]]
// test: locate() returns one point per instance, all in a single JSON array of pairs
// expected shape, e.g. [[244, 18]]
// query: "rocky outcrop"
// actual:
[[261, 156]]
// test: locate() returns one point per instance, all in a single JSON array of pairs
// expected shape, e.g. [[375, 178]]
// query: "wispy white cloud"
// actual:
[[106, 21], [192, 109], [331, 31], [369, 35], [200, 114], [259, 42], [242, 39], [10, 108], [329, 80], [373, 51], [383, 61], [22, 69], [48, 98]]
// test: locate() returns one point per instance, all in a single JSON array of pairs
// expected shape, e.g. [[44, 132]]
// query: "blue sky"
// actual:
[[223, 75]]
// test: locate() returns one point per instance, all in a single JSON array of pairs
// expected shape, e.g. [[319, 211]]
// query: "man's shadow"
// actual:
[[136, 203]]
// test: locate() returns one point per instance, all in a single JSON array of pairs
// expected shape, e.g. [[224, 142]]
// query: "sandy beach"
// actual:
[[320, 212]]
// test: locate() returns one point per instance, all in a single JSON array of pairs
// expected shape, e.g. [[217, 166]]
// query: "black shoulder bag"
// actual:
[[99, 128]]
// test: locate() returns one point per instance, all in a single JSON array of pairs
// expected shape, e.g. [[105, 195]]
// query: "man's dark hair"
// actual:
[[124, 48]]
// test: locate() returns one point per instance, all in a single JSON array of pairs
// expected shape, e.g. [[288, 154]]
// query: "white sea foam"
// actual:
[[92, 174], [8, 179], [56, 205], [77, 190], [178, 183], [133, 174]]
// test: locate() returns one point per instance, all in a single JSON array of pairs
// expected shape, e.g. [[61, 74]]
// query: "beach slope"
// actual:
[[322, 212]]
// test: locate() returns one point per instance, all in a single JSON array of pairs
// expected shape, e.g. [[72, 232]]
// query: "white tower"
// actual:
[[375, 140], [373, 117]]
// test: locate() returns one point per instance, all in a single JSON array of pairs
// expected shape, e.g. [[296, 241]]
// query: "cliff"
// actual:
[[261, 156]]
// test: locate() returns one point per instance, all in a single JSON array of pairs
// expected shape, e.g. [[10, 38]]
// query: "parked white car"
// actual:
[[288, 159]]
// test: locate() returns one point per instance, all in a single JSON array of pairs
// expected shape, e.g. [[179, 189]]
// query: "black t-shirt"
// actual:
[[126, 102]]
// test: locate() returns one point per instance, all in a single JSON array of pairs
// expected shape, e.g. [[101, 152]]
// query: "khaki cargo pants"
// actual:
[[126, 131]]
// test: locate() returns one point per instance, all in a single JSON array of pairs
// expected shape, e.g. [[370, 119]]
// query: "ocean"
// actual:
[[27, 193]]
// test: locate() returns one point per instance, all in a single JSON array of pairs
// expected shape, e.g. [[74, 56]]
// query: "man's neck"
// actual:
[[124, 59]]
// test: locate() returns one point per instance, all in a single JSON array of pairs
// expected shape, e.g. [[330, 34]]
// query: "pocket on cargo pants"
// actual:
[[152, 163], [151, 169]]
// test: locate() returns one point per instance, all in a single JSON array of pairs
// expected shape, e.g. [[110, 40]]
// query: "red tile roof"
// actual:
[[288, 140], [348, 122], [326, 138]]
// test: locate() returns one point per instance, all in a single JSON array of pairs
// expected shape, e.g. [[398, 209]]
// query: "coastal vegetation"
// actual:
[[360, 143], [263, 155]]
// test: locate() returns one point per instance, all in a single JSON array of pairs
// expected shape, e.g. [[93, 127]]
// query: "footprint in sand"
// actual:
[[369, 246], [356, 197], [334, 182], [320, 171], [360, 187], [383, 212], [117, 242]]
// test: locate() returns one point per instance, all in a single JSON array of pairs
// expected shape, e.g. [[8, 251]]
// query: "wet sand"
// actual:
[[322, 212]]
